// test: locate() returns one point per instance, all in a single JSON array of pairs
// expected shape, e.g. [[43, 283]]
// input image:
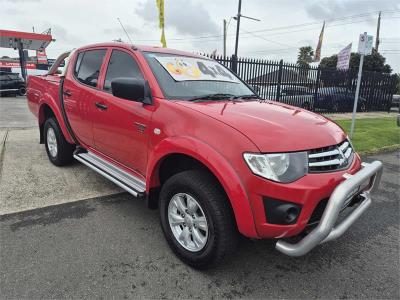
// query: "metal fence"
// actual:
[[325, 90]]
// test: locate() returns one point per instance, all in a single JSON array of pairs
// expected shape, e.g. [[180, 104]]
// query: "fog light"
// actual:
[[281, 212]]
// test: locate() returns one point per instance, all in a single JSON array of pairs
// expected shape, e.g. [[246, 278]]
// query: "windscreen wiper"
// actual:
[[217, 96], [251, 96]]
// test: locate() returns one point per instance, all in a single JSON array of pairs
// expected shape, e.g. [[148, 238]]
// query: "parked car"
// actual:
[[299, 96], [395, 101], [337, 99], [11, 84], [188, 136]]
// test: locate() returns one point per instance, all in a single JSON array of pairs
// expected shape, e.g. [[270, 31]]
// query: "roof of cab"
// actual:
[[140, 48]]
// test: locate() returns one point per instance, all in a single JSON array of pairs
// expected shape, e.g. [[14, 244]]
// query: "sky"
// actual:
[[196, 25]]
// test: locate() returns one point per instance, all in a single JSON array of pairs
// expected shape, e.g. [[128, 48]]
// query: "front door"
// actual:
[[121, 127]]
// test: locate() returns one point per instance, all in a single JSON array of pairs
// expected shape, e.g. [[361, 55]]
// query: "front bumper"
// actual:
[[327, 228]]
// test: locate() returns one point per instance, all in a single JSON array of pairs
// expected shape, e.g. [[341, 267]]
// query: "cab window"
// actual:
[[121, 65], [87, 67]]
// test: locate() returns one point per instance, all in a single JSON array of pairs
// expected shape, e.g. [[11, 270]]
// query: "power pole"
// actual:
[[237, 28], [224, 38], [378, 28]]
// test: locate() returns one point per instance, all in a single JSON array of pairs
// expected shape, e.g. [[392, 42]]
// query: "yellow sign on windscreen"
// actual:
[[183, 68]]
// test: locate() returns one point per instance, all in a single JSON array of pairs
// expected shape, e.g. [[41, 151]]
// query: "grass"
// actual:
[[374, 135]]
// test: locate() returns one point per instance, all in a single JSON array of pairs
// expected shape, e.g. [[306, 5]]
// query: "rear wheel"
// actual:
[[59, 151], [197, 219], [22, 91]]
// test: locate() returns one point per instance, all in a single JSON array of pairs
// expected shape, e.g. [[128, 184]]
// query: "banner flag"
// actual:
[[160, 6], [317, 56], [343, 58]]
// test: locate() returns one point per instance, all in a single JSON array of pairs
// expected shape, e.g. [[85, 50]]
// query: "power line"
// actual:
[[250, 34], [369, 14]]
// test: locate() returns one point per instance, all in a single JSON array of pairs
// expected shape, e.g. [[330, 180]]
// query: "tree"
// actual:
[[373, 62], [305, 56]]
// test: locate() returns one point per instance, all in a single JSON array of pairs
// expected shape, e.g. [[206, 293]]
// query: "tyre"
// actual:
[[59, 151], [197, 219], [362, 106], [335, 106], [306, 105], [22, 91]]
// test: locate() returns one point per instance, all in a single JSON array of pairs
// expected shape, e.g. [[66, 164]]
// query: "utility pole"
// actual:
[[378, 28], [224, 24], [238, 28]]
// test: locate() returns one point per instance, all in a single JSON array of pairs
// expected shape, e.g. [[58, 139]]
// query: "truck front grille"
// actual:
[[330, 159]]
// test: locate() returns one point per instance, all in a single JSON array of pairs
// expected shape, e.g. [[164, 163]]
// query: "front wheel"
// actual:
[[197, 219], [59, 151]]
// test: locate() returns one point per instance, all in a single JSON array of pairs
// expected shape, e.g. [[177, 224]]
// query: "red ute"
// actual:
[[191, 138]]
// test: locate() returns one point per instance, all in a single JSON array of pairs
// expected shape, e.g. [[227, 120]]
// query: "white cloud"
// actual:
[[186, 16]]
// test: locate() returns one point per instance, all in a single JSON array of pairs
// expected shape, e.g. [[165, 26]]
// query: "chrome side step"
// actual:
[[128, 182]]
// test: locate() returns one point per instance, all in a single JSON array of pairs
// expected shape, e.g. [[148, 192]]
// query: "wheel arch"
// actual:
[[46, 110], [187, 153]]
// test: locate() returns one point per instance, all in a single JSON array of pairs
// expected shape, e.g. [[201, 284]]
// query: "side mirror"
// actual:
[[131, 89]]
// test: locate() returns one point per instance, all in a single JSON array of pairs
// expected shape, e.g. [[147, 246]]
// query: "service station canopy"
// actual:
[[30, 41], [24, 41]]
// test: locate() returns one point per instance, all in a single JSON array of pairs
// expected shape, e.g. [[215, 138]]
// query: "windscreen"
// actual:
[[183, 77]]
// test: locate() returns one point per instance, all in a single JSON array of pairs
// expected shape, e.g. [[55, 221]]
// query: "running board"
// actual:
[[128, 182]]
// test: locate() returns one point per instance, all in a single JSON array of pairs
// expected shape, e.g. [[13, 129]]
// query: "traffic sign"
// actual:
[[365, 44]]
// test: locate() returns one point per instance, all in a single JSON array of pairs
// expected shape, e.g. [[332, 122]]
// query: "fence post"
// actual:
[[234, 62], [278, 89], [317, 84]]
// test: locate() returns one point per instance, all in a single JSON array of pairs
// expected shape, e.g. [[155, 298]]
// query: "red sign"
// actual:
[[41, 57], [12, 64]]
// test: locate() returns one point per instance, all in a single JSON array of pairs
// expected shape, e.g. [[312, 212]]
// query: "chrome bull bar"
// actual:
[[327, 228]]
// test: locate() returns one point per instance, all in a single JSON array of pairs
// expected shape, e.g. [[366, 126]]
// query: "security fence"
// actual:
[[325, 90]]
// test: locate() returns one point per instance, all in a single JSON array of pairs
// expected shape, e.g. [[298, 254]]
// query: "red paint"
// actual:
[[214, 133]]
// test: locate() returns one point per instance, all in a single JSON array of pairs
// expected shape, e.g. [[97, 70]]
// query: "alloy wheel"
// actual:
[[188, 222]]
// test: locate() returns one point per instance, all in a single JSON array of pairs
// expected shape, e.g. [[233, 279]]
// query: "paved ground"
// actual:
[[14, 113], [365, 115], [28, 180], [113, 247]]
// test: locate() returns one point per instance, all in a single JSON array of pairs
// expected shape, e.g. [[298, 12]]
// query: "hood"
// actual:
[[273, 126]]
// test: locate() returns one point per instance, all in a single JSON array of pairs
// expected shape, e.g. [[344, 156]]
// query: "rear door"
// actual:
[[80, 93], [120, 126]]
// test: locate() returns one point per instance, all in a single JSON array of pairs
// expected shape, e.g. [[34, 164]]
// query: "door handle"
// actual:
[[101, 106], [67, 93]]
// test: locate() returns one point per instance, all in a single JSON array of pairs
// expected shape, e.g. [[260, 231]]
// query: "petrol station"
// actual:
[[23, 41]]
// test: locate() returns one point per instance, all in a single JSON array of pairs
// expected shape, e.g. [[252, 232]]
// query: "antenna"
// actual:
[[125, 30]]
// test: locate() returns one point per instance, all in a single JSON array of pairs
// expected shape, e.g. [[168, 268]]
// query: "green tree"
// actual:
[[373, 62], [305, 56]]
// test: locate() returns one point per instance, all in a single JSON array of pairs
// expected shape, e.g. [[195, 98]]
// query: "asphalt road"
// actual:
[[113, 247]]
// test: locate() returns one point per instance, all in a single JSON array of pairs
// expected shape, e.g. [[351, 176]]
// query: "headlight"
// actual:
[[281, 167]]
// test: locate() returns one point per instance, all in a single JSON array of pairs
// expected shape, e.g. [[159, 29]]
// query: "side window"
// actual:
[[121, 65], [89, 67], [78, 63]]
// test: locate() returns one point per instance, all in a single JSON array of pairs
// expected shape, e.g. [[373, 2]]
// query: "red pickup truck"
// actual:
[[191, 138]]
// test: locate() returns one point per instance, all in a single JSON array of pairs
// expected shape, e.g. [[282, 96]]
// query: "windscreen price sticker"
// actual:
[[183, 68]]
